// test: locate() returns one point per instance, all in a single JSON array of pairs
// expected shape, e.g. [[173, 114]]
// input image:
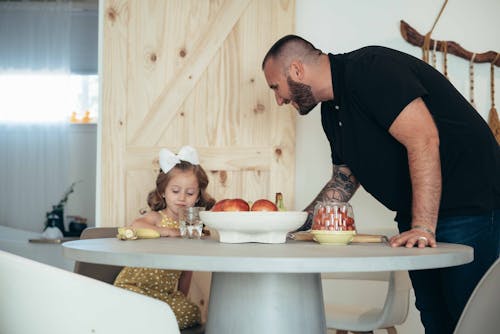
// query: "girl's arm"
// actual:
[[150, 220], [185, 282]]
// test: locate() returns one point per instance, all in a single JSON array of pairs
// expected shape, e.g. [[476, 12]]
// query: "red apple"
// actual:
[[219, 206], [264, 205], [233, 204], [236, 204]]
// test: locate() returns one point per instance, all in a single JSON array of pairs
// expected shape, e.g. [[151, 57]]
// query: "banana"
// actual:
[[129, 233], [126, 233], [147, 233], [279, 202]]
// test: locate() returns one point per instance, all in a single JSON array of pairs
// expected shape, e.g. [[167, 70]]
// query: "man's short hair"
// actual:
[[290, 45]]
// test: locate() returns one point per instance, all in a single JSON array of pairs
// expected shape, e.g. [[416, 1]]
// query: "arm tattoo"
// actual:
[[341, 187]]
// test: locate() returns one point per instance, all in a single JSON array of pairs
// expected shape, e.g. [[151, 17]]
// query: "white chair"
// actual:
[[199, 290], [345, 317], [481, 313], [38, 298]]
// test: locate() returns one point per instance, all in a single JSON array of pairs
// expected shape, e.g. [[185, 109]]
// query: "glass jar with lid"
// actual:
[[333, 216]]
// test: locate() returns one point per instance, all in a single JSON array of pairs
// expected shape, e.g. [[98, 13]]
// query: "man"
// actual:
[[400, 128]]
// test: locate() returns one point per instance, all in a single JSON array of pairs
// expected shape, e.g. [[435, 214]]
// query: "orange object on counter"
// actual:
[[86, 118], [73, 118]]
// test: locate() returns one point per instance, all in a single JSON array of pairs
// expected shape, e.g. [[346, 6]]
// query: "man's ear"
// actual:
[[296, 70]]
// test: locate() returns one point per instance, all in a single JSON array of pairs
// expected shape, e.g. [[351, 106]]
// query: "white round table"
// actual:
[[264, 288]]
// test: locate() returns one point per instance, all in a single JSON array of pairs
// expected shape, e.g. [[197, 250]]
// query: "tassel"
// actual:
[[493, 120], [494, 123]]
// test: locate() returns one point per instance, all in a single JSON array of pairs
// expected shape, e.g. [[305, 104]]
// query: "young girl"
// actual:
[[181, 183]]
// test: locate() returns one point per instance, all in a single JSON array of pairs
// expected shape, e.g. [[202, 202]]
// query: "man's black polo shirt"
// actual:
[[371, 87]]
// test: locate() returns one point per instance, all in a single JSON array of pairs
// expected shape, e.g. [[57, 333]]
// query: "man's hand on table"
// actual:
[[418, 235]]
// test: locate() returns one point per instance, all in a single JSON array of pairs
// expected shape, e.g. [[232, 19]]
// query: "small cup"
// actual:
[[190, 224]]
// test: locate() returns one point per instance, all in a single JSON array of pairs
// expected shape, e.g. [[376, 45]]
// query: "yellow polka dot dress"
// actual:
[[161, 284]]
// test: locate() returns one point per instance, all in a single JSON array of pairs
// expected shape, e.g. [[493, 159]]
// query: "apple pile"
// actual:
[[238, 204], [336, 217]]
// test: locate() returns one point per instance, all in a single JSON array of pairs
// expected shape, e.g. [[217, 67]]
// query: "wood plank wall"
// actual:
[[188, 72]]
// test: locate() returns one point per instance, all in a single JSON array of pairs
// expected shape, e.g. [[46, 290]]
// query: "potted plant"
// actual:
[[55, 218]]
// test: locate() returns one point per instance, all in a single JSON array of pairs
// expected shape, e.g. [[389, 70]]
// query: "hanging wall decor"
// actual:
[[413, 37]]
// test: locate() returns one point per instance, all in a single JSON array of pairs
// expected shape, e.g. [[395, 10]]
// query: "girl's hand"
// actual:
[[169, 232]]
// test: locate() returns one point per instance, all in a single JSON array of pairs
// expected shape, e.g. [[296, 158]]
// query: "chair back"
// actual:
[[200, 282], [394, 310], [481, 313], [38, 298], [101, 272]]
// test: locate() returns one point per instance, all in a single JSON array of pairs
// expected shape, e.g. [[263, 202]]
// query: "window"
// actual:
[[47, 97], [48, 60]]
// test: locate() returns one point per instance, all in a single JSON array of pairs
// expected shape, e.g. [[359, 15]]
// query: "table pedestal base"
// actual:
[[273, 303]]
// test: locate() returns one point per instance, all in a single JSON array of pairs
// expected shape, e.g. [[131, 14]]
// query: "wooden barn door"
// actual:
[[179, 72]]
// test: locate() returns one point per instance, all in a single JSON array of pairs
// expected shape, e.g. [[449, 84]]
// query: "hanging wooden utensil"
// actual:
[[433, 54], [471, 80], [426, 47], [445, 59], [493, 120]]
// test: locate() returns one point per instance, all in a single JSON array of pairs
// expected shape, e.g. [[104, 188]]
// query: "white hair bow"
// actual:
[[168, 159]]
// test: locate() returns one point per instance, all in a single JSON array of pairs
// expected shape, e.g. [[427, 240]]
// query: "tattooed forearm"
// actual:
[[341, 187]]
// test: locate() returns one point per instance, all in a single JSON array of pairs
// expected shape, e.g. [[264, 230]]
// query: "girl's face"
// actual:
[[181, 191]]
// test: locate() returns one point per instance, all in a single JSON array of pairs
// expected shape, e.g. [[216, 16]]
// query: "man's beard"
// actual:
[[302, 95]]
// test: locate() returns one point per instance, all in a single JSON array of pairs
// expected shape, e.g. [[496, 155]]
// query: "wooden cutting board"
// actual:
[[307, 236]]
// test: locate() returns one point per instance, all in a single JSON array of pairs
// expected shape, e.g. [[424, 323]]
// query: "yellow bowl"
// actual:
[[333, 237]]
